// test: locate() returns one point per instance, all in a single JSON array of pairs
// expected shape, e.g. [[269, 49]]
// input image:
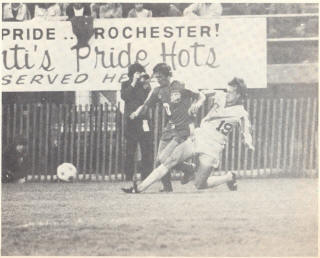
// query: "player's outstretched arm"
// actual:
[[150, 100], [197, 103]]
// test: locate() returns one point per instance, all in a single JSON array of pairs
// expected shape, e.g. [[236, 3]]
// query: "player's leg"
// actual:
[[146, 154], [130, 153], [165, 153], [203, 179], [181, 152]]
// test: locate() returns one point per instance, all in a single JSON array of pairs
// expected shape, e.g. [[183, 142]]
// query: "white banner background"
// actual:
[[235, 47]]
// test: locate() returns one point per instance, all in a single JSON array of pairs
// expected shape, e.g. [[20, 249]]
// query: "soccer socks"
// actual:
[[213, 181], [155, 176]]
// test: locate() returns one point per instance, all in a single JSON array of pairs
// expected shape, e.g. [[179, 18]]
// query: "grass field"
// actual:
[[266, 217]]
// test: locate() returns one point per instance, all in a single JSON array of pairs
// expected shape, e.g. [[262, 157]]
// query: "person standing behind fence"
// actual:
[[15, 12], [15, 161], [78, 9], [47, 11], [110, 10], [134, 92], [203, 9], [139, 12], [178, 106]]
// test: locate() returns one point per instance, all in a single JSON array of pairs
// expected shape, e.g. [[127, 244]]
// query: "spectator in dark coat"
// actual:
[[15, 161], [78, 9], [134, 92]]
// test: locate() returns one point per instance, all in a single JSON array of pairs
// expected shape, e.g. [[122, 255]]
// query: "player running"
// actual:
[[179, 108], [209, 141]]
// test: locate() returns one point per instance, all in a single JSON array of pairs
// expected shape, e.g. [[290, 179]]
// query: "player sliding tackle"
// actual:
[[209, 141]]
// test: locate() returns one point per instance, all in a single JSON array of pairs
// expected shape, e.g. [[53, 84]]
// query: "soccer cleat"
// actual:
[[232, 185], [132, 190], [188, 173]]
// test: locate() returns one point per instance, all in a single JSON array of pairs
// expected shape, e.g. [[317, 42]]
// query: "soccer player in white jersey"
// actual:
[[209, 141]]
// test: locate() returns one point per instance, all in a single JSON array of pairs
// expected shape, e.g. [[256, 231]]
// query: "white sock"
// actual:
[[155, 176], [213, 181]]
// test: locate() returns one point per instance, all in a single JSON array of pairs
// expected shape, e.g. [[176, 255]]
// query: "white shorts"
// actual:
[[210, 148]]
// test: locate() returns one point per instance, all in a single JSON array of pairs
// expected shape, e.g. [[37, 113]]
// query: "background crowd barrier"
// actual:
[[92, 138]]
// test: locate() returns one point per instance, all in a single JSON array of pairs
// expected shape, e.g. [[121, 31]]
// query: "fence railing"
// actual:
[[92, 138]]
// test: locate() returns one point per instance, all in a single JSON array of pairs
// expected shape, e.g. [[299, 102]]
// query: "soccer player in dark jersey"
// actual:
[[179, 107]]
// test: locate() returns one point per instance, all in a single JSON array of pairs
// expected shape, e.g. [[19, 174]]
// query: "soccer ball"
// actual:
[[67, 172]]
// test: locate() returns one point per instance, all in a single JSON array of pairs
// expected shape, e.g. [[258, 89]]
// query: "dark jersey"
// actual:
[[176, 101]]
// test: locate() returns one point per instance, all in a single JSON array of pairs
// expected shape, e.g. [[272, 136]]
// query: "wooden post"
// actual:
[[98, 141], [40, 146], [293, 132], [266, 138], [46, 141], [285, 135], [254, 133], [79, 133], [260, 136], [92, 133], [123, 145], [104, 140], [306, 137], [72, 133], [300, 135], [280, 134], [111, 142], [273, 134], [313, 132], [29, 150], [117, 128], [246, 156], [34, 134], [85, 151]]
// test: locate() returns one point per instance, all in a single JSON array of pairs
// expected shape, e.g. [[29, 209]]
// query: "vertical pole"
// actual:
[[280, 134], [98, 141], [266, 139], [34, 137], [79, 133], [306, 138], [293, 132], [254, 134], [260, 136], [27, 131], [104, 140], [111, 112], [273, 134], [313, 133], [40, 146], [300, 135], [46, 141], [117, 121], [245, 165]]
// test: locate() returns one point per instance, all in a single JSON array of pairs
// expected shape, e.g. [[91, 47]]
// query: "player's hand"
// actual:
[[193, 110], [133, 115], [135, 78]]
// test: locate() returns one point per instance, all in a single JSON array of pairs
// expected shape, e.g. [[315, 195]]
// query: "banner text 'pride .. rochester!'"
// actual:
[[105, 56]]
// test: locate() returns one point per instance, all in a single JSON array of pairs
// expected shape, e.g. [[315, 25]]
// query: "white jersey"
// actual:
[[212, 134]]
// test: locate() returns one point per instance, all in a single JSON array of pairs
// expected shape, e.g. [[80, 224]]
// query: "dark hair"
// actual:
[[240, 85], [136, 67], [163, 68]]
